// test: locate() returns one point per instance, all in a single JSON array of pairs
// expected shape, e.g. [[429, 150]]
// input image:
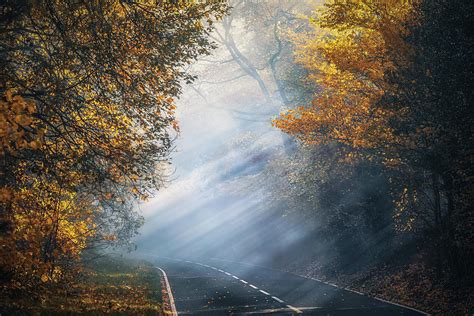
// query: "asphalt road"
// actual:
[[215, 287]]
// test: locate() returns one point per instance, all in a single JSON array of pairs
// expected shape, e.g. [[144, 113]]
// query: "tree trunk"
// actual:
[[439, 250], [453, 253]]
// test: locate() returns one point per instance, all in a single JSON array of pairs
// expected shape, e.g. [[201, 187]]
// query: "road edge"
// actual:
[[331, 284], [169, 306]]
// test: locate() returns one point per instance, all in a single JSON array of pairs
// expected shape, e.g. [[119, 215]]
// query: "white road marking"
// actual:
[[170, 294], [357, 292], [294, 309], [364, 294], [277, 299], [291, 307], [413, 309]]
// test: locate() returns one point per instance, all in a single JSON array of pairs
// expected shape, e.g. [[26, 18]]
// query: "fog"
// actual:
[[226, 139]]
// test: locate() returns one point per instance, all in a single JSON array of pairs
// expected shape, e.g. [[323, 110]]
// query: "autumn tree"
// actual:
[[86, 120], [391, 90]]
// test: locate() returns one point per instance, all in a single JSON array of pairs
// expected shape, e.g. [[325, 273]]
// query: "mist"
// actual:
[[240, 189], [226, 140], [236, 157]]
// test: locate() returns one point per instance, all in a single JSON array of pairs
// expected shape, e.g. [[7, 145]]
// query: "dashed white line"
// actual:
[[277, 299], [296, 310]]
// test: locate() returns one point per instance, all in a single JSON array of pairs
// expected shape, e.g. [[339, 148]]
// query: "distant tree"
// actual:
[[267, 57]]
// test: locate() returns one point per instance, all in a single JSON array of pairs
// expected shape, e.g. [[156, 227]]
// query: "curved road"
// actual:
[[218, 287]]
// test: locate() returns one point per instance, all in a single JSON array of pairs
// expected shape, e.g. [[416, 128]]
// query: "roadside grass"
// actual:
[[108, 285]]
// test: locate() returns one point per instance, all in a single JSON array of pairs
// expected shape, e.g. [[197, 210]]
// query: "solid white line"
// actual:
[[170, 294], [294, 309], [364, 294], [331, 284], [262, 291], [277, 299], [289, 306], [357, 292], [413, 309]]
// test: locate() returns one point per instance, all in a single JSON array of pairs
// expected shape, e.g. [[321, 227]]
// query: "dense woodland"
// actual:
[[395, 106], [375, 99], [377, 103], [86, 124]]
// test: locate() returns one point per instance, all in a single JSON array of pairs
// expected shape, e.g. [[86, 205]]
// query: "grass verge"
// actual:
[[109, 285]]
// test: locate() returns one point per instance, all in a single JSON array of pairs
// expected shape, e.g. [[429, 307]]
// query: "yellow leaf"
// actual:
[[44, 278]]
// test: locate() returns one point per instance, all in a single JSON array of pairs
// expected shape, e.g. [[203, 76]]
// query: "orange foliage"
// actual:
[[353, 46]]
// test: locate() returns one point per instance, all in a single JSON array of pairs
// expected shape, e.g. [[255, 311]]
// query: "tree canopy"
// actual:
[[393, 91], [87, 120]]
